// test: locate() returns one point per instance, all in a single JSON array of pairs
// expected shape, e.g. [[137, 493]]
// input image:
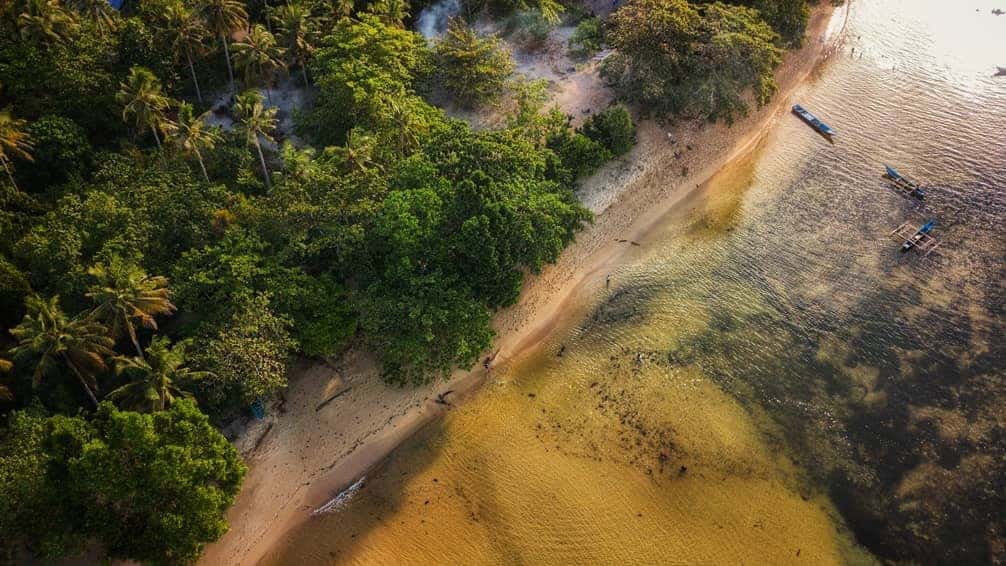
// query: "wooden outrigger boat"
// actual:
[[908, 186], [814, 122], [916, 237]]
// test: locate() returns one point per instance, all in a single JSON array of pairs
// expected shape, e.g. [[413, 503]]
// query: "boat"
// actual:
[[919, 236], [910, 187], [813, 121]]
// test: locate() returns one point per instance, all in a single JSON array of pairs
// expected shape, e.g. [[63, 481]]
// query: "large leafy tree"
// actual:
[[260, 57], [56, 343], [358, 67], [142, 100], [246, 354], [675, 58], [257, 122], [788, 17], [155, 377], [124, 294], [38, 506], [475, 69], [14, 142], [146, 487], [193, 136], [224, 17]]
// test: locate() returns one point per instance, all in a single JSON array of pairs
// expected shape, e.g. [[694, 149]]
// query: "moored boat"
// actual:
[[913, 188], [813, 121], [919, 236]]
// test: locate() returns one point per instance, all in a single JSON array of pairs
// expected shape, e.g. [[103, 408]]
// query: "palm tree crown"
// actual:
[[256, 120], [186, 32], [141, 98], [46, 334], [192, 135], [125, 293], [224, 17], [98, 11], [45, 20], [259, 56], [156, 378], [14, 142], [297, 33]]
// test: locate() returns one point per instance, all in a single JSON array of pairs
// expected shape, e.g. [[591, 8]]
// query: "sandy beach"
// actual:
[[338, 419]]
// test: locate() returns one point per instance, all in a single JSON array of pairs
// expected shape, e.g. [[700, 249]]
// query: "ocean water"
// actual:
[[767, 379]]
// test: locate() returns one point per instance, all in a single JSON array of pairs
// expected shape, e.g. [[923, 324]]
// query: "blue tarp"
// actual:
[[117, 4]]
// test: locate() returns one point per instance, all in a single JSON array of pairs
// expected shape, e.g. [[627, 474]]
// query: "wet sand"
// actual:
[[305, 453]]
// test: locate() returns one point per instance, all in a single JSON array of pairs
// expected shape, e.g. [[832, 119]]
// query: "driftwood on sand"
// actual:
[[332, 398]]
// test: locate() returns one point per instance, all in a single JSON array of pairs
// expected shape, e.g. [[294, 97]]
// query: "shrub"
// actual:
[[613, 128], [60, 151], [580, 155], [588, 38], [528, 29]]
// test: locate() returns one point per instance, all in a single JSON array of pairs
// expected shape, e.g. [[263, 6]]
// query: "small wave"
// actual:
[[340, 500]]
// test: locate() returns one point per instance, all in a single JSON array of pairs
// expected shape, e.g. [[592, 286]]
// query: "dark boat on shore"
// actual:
[[910, 187], [919, 237], [813, 121]]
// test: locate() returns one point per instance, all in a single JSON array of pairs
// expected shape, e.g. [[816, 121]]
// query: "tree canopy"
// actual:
[[673, 58], [148, 487], [168, 245]]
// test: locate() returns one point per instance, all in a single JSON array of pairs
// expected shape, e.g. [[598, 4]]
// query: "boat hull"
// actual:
[[814, 122]]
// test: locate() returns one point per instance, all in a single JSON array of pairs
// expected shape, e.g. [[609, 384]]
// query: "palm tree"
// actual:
[[125, 293], [156, 377], [224, 17], [357, 154], [257, 121], [141, 97], [192, 135], [186, 33], [296, 32], [14, 142], [45, 20], [259, 56], [98, 11], [391, 12], [403, 122], [46, 334], [5, 393], [338, 9]]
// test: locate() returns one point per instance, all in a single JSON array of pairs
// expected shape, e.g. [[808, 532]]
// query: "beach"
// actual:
[[338, 420]]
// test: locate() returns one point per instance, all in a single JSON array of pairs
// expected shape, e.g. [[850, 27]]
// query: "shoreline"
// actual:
[[354, 421]]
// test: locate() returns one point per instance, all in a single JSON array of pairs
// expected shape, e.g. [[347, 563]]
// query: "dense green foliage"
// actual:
[[474, 69], [675, 58], [588, 38], [613, 128], [158, 271], [787, 17], [150, 487]]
